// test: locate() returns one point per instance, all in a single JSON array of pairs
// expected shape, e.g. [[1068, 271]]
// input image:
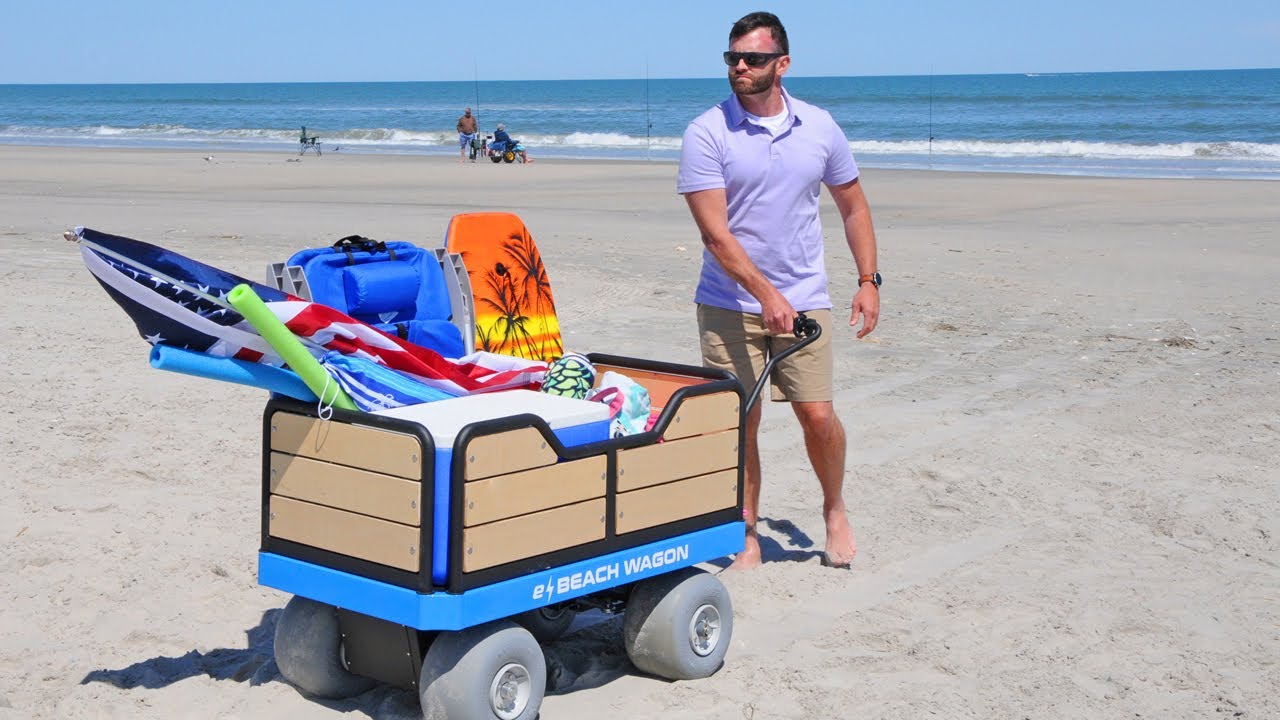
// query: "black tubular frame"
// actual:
[[716, 381]]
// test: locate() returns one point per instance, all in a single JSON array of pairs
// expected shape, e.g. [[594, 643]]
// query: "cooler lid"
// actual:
[[444, 419]]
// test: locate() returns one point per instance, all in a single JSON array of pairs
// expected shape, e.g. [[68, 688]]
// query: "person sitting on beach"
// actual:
[[466, 133], [500, 136]]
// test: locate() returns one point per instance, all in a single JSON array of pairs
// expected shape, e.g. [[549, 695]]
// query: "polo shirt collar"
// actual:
[[738, 114]]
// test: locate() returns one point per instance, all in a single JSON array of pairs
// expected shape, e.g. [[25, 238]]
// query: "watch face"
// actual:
[[877, 279]]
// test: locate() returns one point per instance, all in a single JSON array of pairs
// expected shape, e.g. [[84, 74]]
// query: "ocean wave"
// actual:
[[356, 136], [399, 139], [1069, 149], [604, 140]]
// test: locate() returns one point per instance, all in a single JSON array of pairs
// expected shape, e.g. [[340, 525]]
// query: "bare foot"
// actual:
[[750, 556], [841, 545]]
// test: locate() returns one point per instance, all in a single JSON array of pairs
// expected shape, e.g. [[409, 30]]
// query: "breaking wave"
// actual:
[[1184, 159], [396, 137], [1070, 149]]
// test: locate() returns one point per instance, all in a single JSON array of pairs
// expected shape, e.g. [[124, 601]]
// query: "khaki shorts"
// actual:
[[739, 343]]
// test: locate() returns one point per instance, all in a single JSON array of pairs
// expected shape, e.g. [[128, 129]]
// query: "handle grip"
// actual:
[[804, 327]]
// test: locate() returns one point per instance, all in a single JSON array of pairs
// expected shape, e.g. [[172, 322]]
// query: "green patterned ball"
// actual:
[[570, 376]]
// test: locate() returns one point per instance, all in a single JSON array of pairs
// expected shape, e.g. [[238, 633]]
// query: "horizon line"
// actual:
[[1028, 73]]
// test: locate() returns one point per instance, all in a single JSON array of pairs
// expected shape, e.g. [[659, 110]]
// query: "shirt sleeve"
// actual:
[[700, 162], [841, 167]]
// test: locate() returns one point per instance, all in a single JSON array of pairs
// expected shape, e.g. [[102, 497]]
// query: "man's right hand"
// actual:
[[776, 313]]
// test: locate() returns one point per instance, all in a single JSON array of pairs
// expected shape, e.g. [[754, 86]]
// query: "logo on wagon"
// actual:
[[609, 574]]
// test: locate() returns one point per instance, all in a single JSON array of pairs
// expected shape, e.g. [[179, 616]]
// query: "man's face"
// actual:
[[746, 80], [468, 112]]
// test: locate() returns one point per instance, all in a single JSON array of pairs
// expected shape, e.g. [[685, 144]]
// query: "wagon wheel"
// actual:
[[492, 670], [309, 653], [678, 626], [546, 623]]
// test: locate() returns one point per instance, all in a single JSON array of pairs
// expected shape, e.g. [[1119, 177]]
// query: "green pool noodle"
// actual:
[[247, 302]]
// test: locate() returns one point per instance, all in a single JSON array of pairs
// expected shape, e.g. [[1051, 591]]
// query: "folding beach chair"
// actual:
[[309, 142], [420, 295]]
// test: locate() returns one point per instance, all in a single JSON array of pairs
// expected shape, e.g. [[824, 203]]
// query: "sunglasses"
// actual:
[[752, 59]]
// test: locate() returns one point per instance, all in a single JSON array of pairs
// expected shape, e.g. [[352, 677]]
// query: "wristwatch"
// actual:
[[872, 278]]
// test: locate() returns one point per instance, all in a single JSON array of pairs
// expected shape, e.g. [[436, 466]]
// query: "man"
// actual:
[[466, 133], [750, 170]]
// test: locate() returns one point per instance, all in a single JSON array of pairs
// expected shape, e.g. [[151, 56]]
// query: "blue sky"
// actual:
[[326, 41]]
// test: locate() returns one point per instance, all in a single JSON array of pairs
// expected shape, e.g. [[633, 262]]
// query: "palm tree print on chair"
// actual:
[[515, 310]]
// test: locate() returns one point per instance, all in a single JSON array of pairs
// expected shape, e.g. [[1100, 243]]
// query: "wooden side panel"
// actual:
[[660, 504], [505, 496], [359, 536], [380, 451], [664, 462], [704, 414], [346, 488], [660, 385], [528, 535], [507, 452]]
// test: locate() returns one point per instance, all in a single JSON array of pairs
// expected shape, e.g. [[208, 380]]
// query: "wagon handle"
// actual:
[[804, 327]]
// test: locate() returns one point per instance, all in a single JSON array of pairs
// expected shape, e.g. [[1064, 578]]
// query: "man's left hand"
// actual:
[[866, 304]]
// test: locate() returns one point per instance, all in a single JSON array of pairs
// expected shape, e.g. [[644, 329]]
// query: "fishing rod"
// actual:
[[930, 116], [647, 124], [475, 69]]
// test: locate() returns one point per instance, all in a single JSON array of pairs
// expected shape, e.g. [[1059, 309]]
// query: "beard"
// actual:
[[744, 85]]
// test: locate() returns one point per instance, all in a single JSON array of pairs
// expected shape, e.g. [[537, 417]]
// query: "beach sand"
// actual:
[[1061, 468]]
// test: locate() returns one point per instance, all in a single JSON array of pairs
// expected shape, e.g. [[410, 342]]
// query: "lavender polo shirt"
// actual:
[[772, 186]]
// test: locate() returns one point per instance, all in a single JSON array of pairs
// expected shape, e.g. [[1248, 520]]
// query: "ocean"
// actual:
[[1193, 124]]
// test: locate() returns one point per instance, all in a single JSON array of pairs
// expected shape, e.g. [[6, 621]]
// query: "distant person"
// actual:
[[500, 136], [751, 169], [467, 130]]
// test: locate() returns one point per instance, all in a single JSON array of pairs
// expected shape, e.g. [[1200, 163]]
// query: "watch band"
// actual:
[[873, 278]]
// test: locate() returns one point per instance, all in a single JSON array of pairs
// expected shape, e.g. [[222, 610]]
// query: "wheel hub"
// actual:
[[704, 630], [509, 693]]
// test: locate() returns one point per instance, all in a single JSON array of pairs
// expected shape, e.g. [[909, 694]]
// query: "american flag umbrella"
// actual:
[[181, 302]]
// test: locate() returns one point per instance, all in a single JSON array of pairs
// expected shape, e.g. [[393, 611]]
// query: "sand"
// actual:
[[1062, 443]]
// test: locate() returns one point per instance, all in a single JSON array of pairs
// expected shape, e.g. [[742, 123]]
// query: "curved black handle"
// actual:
[[804, 327]]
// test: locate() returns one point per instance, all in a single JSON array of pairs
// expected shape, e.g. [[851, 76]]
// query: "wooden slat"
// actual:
[[346, 488], [359, 536], [505, 496], [704, 414], [659, 384], [381, 451], [507, 452], [660, 504], [528, 535], [667, 461]]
